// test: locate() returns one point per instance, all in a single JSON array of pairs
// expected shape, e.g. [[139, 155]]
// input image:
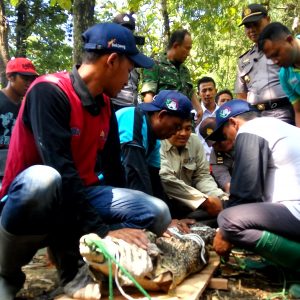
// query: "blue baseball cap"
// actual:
[[230, 109], [172, 101], [115, 38]]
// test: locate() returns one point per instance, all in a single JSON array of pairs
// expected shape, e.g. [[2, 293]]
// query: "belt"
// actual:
[[272, 104]]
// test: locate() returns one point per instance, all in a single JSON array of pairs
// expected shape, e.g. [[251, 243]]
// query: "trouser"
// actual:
[[180, 210], [285, 113], [243, 225], [34, 206]]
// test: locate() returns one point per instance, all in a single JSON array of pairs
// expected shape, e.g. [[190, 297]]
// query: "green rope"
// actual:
[[101, 247], [110, 280]]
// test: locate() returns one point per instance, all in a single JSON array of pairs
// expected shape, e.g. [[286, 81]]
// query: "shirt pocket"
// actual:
[[169, 78], [188, 170], [190, 167], [246, 69]]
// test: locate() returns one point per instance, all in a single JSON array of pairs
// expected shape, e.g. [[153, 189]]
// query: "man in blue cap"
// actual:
[[141, 130], [263, 211], [51, 194]]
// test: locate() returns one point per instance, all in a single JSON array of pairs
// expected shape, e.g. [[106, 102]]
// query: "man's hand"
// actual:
[[197, 106], [199, 117], [221, 246], [131, 236], [213, 205], [182, 225]]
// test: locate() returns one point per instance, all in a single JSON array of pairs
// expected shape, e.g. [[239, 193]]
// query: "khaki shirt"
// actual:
[[185, 176], [258, 77]]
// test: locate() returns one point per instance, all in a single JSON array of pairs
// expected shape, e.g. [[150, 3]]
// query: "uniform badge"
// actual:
[[246, 61], [220, 159], [261, 106], [247, 79], [209, 131], [247, 11]]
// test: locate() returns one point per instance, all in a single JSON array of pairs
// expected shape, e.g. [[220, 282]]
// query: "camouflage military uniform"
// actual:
[[165, 76], [259, 78]]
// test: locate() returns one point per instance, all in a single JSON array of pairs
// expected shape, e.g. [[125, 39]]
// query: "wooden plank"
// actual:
[[190, 289], [218, 284]]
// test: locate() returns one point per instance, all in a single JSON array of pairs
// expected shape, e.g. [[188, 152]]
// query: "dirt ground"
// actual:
[[243, 283]]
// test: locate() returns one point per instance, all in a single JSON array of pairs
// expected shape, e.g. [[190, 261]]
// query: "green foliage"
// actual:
[[64, 4], [15, 2], [47, 45], [217, 39]]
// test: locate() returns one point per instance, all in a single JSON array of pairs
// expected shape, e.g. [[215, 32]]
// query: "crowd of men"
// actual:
[[84, 156]]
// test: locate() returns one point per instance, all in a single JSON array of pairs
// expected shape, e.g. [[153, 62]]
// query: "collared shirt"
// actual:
[[290, 81], [206, 114], [267, 164], [165, 76], [185, 175], [258, 77], [221, 167]]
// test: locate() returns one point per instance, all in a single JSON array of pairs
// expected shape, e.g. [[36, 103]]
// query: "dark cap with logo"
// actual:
[[172, 101], [115, 38], [207, 126], [226, 111], [126, 20], [253, 13]]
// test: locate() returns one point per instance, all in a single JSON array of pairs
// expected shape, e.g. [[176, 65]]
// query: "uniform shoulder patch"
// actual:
[[220, 158]]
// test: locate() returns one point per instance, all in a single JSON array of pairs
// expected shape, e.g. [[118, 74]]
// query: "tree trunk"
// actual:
[[83, 17], [166, 33], [4, 56], [22, 29]]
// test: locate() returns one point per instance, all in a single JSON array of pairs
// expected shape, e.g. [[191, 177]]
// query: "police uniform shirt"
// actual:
[[258, 77], [221, 167]]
